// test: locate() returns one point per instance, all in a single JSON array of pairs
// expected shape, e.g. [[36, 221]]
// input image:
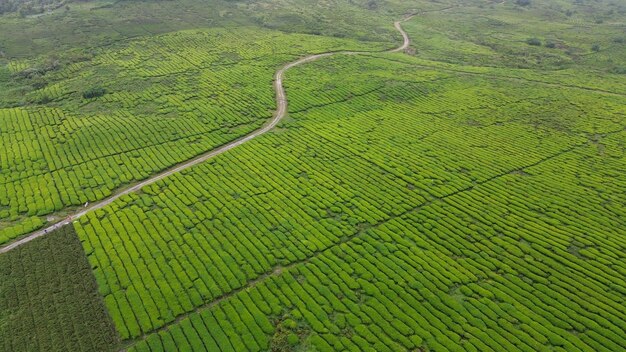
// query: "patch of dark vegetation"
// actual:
[[291, 334], [49, 299], [94, 92], [54, 63], [620, 70], [29, 7], [533, 41], [50, 64]]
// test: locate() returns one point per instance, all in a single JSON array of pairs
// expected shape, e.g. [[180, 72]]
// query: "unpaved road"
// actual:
[[281, 111], [405, 37]]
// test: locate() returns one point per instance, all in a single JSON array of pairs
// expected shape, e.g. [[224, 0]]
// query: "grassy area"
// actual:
[[90, 24], [49, 300], [545, 35]]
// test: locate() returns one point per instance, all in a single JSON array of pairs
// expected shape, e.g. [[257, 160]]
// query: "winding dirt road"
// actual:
[[405, 37], [281, 111]]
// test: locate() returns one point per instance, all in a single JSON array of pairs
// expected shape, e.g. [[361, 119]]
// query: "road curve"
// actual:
[[281, 111], [405, 37]]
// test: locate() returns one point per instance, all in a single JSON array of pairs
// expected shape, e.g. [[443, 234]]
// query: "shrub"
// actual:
[[94, 92], [293, 339], [533, 41]]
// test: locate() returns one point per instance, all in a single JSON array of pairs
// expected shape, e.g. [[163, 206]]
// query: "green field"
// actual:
[[466, 194], [278, 219], [48, 299], [167, 99]]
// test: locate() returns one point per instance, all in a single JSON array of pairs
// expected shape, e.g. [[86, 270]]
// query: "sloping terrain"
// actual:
[[465, 193], [426, 232], [164, 100]]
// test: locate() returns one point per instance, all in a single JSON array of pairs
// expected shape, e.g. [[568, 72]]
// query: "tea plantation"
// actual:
[[48, 299], [163, 101], [449, 219], [465, 193]]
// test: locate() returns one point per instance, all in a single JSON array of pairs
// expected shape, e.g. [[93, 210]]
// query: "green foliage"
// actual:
[[497, 35], [293, 339], [441, 200], [169, 98], [618, 70], [29, 7], [423, 273], [533, 41], [24, 226], [94, 92], [50, 300], [93, 24]]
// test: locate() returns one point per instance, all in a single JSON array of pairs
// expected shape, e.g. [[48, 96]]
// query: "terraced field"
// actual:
[[168, 100], [291, 250], [464, 193]]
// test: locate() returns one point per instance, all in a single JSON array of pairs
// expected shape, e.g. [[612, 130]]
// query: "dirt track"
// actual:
[[281, 111]]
